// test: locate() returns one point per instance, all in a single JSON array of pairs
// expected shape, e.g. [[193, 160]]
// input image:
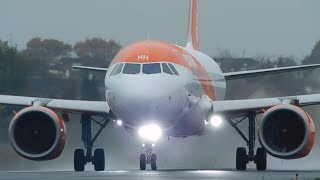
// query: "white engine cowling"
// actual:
[[286, 132], [37, 133]]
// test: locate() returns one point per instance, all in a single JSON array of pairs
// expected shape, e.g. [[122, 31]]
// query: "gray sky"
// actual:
[[273, 27]]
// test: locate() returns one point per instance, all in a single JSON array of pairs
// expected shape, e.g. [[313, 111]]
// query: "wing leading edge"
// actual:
[[94, 107], [261, 72], [258, 104], [89, 68]]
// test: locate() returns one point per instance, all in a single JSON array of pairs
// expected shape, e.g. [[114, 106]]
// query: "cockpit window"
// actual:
[[114, 69], [119, 68], [166, 69], [131, 68], [153, 68], [173, 69]]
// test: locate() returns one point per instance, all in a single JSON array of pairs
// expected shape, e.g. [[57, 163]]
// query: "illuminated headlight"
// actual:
[[119, 122], [151, 132], [215, 120]]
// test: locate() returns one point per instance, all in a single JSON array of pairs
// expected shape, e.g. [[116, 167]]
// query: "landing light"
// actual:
[[151, 132], [216, 120], [119, 122]]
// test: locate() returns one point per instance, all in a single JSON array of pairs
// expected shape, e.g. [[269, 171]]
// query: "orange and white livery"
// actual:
[[156, 89]]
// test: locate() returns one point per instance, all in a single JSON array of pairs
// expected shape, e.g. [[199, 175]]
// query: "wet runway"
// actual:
[[159, 175]]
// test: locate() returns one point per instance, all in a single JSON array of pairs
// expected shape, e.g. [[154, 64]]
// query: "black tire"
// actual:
[[241, 159], [153, 162], [79, 160], [98, 160], [143, 162], [261, 159]]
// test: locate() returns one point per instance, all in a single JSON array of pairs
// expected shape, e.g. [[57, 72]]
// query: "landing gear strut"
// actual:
[[148, 158], [242, 158], [81, 158]]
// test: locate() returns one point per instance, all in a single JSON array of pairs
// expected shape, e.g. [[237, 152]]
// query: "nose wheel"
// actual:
[[84, 156], [153, 162], [143, 162], [148, 158]]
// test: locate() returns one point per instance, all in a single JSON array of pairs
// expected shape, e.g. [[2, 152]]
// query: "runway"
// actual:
[[159, 175]]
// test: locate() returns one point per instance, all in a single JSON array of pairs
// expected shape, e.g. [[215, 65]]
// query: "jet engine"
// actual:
[[37, 133], [286, 132]]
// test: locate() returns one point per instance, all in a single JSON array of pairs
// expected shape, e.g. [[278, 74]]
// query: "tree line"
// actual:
[[36, 70], [285, 84], [52, 49], [43, 67]]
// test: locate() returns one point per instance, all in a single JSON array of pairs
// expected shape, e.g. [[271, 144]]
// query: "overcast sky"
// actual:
[[270, 27]]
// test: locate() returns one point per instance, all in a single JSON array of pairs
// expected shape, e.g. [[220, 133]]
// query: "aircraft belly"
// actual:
[[192, 122]]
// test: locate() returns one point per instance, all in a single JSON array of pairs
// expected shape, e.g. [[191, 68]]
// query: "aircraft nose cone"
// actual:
[[148, 99]]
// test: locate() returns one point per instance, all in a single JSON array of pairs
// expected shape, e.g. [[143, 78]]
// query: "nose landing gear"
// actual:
[[148, 158]]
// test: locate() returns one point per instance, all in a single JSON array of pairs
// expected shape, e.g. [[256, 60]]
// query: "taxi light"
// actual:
[[151, 132]]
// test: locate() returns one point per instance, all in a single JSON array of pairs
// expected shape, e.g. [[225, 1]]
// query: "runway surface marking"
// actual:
[[159, 175]]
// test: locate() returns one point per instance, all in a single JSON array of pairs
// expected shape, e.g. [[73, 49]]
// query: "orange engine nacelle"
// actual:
[[286, 132], [37, 133]]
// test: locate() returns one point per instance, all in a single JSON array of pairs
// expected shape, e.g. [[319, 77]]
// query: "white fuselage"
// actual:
[[177, 103]]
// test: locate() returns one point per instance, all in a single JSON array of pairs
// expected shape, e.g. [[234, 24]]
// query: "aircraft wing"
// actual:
[[261, 72], [94, 107], [89, 68], [258, 105]]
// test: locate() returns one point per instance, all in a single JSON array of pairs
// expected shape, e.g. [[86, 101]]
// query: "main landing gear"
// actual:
[[242, 157], [148, 158], [81, 156]]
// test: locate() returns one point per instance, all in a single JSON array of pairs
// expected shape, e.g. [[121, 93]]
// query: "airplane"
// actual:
[[156, 89]]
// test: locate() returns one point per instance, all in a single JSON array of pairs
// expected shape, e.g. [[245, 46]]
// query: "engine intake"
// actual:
[[37, 133], [286, 132]]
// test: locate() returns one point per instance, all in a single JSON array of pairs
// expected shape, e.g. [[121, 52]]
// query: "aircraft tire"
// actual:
[[261, 159], [241, 159], [79, 160], [143, 162], [154, 162], [98, 160]]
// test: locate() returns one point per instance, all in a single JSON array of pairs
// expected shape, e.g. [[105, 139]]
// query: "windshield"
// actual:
[[153, 68], [131, 69]]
